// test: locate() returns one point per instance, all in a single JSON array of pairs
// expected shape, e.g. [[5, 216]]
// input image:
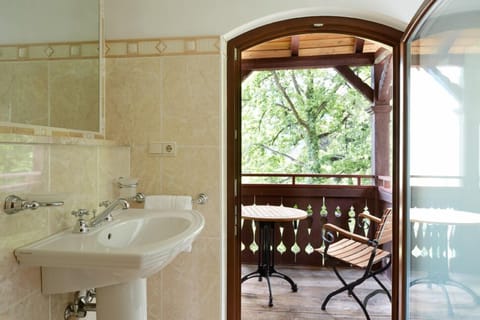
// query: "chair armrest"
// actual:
[[333, 228], [369, 216]]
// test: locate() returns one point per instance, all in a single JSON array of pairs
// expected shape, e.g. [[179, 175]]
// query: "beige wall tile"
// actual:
[[192, 281], [147, 99], [179, 96], [74, 175], [191, 99], [133, 99], [73, 94], [35, 306], [148, 169], [77, 172], [30, 98], [59, 93], [113, 163], [194, 170], [22, 283], [6, 89], [23, 170]]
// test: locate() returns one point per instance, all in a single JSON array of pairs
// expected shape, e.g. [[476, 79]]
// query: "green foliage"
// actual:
[[305, 121]]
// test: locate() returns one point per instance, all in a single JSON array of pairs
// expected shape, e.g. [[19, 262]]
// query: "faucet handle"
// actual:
[[81, 226], [105, 203], [80, 213]]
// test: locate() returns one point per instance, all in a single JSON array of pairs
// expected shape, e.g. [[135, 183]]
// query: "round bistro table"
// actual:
[[267, 216], [441, 222]]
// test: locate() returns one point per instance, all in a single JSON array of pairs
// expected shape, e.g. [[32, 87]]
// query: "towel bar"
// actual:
[[201, 199], [14, 204]]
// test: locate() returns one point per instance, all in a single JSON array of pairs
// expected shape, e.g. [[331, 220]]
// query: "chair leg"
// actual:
[[346, 287], [334, 293], [364, 308], [384, 289], [374, 293], [350, 291], [349, 287]]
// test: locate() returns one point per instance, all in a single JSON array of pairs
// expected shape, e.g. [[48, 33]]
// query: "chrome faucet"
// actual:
[[106, 215]]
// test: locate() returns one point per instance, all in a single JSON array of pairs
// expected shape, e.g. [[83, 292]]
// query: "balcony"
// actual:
[[331, 198]]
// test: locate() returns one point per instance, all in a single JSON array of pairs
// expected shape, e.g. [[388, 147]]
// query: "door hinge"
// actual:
[[235, 222], [235, 188], [235, 54]]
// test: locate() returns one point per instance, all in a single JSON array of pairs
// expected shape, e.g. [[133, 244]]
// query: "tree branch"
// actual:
[[326, 134], [297, 86], [320, 108], [278, 152], [276, 136], [291, 106]]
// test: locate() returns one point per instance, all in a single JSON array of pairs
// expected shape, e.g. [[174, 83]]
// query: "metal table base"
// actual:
[[266, 264]]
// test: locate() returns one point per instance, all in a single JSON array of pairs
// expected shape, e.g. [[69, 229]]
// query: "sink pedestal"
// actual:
[[125, 301]]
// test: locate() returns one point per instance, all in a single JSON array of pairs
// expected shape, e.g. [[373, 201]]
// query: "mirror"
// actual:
[[49, 63]]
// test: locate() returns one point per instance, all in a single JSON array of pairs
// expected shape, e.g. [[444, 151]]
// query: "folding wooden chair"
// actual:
[[361, 252]]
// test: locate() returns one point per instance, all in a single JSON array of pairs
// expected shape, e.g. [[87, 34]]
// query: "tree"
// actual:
[[304, 121]]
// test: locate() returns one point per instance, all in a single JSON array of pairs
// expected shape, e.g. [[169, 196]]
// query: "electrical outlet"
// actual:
[[169, 149], [155, 148], [164, 149]]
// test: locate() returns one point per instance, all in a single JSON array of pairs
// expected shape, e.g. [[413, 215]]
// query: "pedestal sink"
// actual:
[[115, 258]]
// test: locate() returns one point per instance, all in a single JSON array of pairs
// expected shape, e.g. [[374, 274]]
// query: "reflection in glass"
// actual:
[[22, 168], [444, 158], [49, 63]]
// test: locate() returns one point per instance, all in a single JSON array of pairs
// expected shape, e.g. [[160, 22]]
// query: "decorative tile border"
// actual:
[[81, 50], [113, 49], [49, 51], [45, 134], [161, 47]]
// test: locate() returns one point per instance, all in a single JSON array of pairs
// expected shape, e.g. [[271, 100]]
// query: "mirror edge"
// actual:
[[24, 133], [101, 71]]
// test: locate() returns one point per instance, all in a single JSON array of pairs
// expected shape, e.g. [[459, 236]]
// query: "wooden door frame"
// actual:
[[318, 24]]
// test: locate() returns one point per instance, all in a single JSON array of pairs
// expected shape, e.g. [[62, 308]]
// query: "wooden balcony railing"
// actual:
[[327, 198], [297, 178]]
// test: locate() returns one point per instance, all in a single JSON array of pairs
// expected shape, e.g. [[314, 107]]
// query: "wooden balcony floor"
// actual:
[[314, 284]]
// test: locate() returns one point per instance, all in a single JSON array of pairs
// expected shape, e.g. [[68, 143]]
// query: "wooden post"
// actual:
[[383, 77], [381, 139]]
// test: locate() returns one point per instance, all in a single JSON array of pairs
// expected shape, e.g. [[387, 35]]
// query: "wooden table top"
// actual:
[[272, 213], [443, 216]]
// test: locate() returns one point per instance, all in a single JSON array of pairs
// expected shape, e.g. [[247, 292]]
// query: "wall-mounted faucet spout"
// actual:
[[106, 215]]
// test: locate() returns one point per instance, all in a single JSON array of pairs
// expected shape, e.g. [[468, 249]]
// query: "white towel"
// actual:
[[168, 202]]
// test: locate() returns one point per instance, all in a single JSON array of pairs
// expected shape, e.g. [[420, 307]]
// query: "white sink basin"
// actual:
[[136, 244]]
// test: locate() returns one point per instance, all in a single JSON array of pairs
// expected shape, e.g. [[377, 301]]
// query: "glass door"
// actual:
[[442, 203]]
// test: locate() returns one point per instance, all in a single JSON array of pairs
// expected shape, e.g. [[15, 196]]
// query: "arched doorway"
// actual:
[[358, 28]]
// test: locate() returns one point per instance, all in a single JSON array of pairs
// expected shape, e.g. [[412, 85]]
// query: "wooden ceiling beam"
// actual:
[[326, 61], [359, 44], [383, 77], [431, 60], [246, 74], [294, 45], [355, 81], [381, 55]]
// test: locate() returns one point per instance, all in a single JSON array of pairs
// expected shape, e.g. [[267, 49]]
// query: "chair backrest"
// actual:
[[383, 234]]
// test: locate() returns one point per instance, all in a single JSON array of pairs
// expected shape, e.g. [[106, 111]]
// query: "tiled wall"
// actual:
[[50, 84], [172, 95], [81, 174], [166, 98]]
